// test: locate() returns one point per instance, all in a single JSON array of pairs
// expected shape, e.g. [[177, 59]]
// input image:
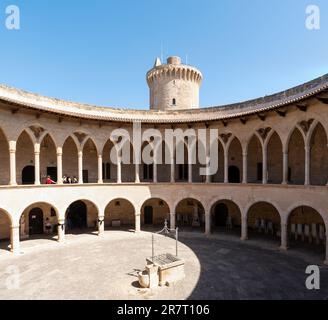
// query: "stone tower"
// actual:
[[173, 86]]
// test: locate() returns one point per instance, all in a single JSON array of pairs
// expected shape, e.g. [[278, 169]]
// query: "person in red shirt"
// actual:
[[49, 181]]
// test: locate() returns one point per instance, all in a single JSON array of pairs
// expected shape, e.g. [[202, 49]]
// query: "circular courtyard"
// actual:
[[219, 267]]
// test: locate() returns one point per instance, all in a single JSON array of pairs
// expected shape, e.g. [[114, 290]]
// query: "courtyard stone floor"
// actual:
[[218, 267]]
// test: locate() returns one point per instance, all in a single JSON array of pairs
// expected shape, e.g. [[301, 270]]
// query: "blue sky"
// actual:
[[99, 51]]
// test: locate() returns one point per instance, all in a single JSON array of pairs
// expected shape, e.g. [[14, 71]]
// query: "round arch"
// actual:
[[81, 215], [225, 216], [306, 225], [38, 219], [190, 213], [264, 217], [120, 213], [154, 212]]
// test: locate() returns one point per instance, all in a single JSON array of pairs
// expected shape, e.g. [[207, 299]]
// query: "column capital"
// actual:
[[12, 146]]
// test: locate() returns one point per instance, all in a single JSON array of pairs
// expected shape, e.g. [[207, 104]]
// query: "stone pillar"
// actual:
[[307, 166], [265, 164], [284, 236], [37, 164], [14, 239], [59, 165], [189, 166], [172, 170], [155, 180], [244, 229], [172, 221], [100, 169], [226, 166], [208, 223], [245, 173], [119, 170], [137, 173], [101, 225], [61, 231], [12, 153], [80, 166], [285, 168], [137, 222]]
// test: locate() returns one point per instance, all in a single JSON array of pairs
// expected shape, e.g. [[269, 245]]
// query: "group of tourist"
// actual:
[[66, 180]]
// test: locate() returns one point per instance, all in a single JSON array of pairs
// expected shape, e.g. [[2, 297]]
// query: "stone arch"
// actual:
[[154, 212], [48, 158], [81, 215], [235, 161], [190, 213], [306, 224], [120, 213], [264, 217], [128, 167], [275, 158], [109, 163], [90, 161], [296, 157], [319, 156], [225, 215], [255, 160], [34, 217], [70, 158], [25, 158], [5, 229]]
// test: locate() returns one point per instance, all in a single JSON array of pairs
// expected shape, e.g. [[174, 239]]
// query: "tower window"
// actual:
[[174, 102]]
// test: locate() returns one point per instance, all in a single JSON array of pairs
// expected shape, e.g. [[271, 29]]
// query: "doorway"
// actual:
[[148, 215], [76, 217], [52, 172], [35, 222], [234, 174], [221, 215], [28, 175]]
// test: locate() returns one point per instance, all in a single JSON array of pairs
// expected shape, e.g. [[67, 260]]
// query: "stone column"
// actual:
[[208, 223], [285, 168], [61, 230], [245, 173], [80, 166], [172, 221], [155, 180], [100, 169], [12, 154], [137, 222], [226, 166], [119, 170], [137, 173], [189, 166], [59, 165], [172, 170], [284, 236], [37, 164], [101, 225], [265, 164], [244, 229], [307, 166], [14, 239]]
